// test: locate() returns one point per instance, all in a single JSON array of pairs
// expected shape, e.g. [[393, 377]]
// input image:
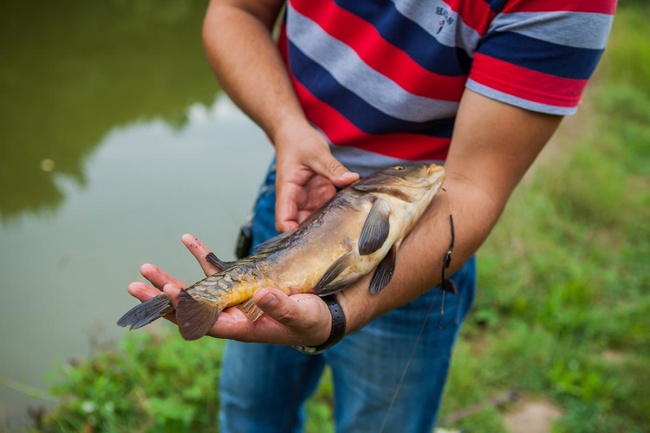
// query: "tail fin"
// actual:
[[195, 316], [146, 312]]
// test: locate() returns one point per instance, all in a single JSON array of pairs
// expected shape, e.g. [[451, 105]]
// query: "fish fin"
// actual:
[[216, 261], [250, 310], [195, 316], [328, 283], [146, 312], [383, 272], [375, 229], [273, 242]]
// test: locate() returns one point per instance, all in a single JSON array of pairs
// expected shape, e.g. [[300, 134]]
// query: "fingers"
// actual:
[[142, 291], [199, 251], [157, 276], [172, 290], [332, 169], [297, 314], [305, 182], [286, 209]]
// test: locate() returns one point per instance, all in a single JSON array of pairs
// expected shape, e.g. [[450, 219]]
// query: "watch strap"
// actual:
[[336, 333]]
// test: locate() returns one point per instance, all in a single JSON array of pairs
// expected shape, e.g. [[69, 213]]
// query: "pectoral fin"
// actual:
[[375, 229], [328, 283], [383, 272]]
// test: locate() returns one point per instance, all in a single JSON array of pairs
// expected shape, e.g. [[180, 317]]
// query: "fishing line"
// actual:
[[445, 285], [408, 363]]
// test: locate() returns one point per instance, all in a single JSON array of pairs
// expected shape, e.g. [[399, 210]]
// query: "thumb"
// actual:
[[277, 305], [336, 172]]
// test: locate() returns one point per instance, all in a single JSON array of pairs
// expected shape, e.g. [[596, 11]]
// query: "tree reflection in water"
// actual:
[[73, 71]]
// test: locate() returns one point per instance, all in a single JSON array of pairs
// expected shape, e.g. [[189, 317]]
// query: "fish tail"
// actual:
[[146, 312], [195, 315]]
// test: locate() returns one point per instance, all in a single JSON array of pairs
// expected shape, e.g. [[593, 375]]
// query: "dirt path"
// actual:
[[532, 417]]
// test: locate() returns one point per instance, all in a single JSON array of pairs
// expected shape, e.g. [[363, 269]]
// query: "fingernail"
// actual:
[[267, 301]]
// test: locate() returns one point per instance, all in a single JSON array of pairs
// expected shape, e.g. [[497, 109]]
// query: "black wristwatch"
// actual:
[[336, 333]]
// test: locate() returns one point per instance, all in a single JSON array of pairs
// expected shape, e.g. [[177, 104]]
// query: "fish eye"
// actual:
[[398, 167]]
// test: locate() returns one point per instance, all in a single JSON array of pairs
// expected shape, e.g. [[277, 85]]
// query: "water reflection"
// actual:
[[112, 146], [72, 71]]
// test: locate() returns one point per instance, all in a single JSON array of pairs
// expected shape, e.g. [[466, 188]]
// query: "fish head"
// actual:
[[406, 182]]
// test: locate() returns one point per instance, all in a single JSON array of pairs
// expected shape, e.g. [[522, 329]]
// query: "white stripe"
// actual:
[[355, 75], [572, 29], [429, 14], [518, 102], [365, 162]]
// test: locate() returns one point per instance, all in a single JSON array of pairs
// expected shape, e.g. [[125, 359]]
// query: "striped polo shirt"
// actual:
[[382, 79]]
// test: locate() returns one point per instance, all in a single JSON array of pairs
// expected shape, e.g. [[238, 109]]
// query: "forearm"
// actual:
[[493, 146], [420, 257], [238, 41]]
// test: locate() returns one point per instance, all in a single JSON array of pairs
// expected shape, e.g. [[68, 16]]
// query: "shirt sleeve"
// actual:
[[539, 54]]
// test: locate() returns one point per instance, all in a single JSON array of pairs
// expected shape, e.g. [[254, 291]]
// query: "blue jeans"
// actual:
[[263, 387]]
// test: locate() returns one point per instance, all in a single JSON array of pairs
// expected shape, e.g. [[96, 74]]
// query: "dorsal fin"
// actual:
[[375, 229], [195, 316], [216, 261]]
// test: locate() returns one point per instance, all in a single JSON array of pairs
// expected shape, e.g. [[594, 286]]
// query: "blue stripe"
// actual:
[[496, 5], [410, 37], [363, 115], [538, 55]]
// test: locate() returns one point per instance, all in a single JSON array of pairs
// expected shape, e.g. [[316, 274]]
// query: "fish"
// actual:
[[357, 232]]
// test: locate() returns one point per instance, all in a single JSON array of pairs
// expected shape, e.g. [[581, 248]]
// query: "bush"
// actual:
[[151, 383]]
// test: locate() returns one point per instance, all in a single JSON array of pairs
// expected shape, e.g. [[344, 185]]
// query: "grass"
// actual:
[[562, 315], [152, 382]]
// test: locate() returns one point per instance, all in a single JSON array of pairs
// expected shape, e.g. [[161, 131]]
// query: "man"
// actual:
[[350, 84]]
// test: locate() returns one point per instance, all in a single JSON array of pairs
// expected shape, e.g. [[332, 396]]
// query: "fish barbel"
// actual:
[[356, 232]]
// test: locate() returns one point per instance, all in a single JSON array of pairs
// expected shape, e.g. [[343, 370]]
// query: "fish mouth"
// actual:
[[435, 173], [433, 168]]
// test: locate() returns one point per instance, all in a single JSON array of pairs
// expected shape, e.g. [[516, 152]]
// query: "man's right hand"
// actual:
[[307, 176]]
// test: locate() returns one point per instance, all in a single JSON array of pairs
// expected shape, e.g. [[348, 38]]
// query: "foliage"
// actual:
[[152, 383]]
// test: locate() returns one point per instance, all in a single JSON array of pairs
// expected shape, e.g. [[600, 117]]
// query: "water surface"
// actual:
[[115, 141]]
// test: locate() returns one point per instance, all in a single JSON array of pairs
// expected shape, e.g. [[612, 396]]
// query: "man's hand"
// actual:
[[297, 320], [307, 175]]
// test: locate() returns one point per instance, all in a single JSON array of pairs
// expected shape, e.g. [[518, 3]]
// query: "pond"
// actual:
[[115, 142]]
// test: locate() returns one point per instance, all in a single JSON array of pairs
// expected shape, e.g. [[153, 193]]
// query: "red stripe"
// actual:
[[282, 42], [340, 131], [526, 83], [590, 6], [475, 14], [379, 54]]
